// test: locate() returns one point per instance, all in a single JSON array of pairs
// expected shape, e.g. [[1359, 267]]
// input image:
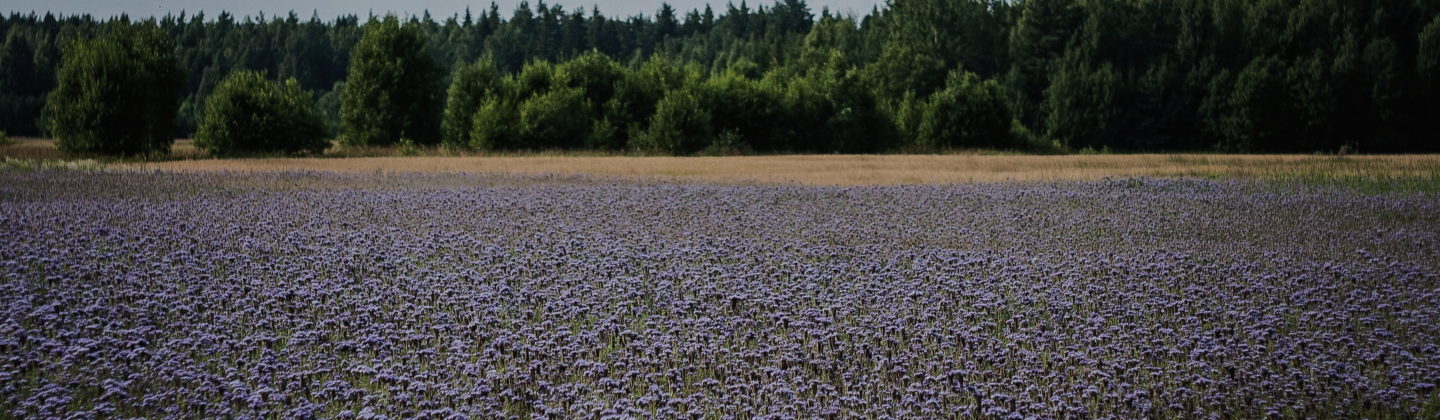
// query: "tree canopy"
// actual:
[[1129, 75], [117, 94], [393, 90], [248, 113]]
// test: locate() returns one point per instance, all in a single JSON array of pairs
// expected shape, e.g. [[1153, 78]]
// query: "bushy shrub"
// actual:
[[853, 121], [328, 106], [249, 114], [535, 78], [595, 73], [611, 128], [741, 107], [393, 88], [599, 77], [472, 85], [680, 125], [800, 119], [555, 119], [639, 93], [907, 113], [117, 94], [493, 126], [967, 113]]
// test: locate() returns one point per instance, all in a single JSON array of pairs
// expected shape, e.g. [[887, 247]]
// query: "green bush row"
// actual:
[[664, 106], [118, 95]]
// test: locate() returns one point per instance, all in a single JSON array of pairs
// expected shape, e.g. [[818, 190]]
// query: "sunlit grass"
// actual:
[[1377, 173]]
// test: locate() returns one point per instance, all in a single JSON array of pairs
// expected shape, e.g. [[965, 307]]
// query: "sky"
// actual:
[[329, 9]]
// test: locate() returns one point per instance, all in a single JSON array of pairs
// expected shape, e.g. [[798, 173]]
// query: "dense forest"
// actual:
[[1128, 75]]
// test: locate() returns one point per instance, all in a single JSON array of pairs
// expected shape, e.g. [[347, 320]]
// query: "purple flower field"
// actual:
[[302, 295]]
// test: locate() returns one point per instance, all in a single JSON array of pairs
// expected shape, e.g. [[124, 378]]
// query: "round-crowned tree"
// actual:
[[393, 89], [967, 113], [248, 113], [117, 94]]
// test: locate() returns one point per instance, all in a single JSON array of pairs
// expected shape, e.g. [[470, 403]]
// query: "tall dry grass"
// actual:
[[804, 169], [29, 148], [866, 169]]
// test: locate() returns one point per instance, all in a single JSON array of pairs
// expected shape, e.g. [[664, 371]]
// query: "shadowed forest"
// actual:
[[1039, 75]]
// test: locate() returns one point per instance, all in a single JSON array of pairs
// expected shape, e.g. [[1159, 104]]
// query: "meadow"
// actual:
[[362, 295]]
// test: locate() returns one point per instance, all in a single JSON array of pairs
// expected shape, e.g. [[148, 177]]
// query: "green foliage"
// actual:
[[601, 79], [471, 85], [800, 120], [117, 94], [556, 119], [21, 114], [1257, 107], [611, 129], [908, 114], [494, 126], [1427, 62], [680, 125], [598, 77], [968, 113], [20, 92], [5, 139], [393, 90], [534, 79], [1036, 42], [1128, 75], [594, 73], [852, 115], [407, 148], [1081, 104], [742, 107], [17, 66], [249, 114], [328, 106], [966, 34], [829, 34], [1029, 141], [826, 109], [902, 70], [638, 94]]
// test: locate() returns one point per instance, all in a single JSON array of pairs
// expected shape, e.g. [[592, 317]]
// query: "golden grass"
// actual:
[[810, 169], [44, 149], [861, 169], [31, 148]]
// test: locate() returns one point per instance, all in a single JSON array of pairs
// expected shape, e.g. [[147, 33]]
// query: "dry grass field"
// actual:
[[805, 169]]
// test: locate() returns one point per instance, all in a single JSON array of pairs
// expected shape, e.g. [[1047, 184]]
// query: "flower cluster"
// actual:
[[461, 296]]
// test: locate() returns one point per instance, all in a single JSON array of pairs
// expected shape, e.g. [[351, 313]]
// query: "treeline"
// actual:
[[1128, 75]]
